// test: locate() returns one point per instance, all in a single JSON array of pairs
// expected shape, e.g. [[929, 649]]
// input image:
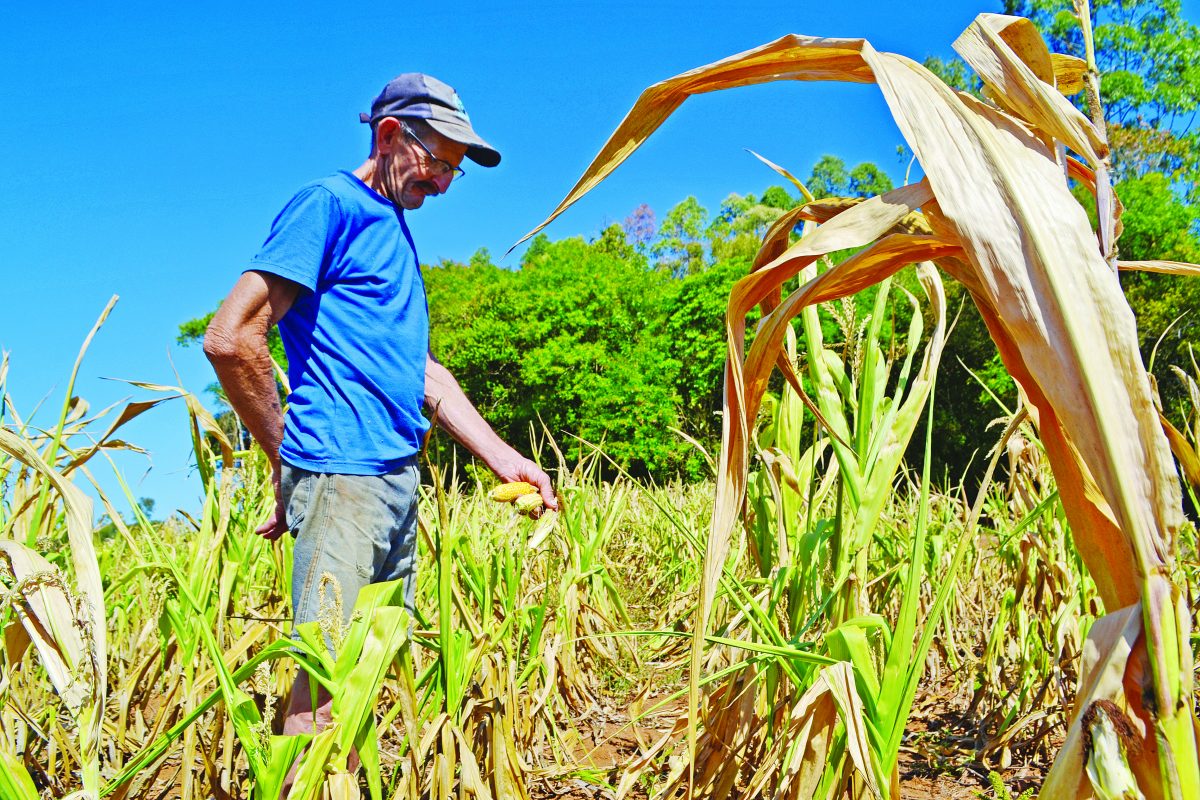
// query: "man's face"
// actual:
[[409, 171]]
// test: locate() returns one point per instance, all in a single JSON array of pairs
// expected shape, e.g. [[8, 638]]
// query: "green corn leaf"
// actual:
[[15, 783], [283, 752]]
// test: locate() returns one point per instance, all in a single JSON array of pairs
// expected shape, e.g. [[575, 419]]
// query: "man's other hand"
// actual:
[[276, 523]]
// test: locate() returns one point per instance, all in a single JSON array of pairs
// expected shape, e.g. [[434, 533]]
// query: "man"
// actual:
[[339, 275]]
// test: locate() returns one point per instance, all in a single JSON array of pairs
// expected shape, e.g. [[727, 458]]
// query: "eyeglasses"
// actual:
[[440, 166]]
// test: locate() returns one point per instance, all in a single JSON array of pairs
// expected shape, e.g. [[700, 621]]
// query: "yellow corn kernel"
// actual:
[[507, 492]]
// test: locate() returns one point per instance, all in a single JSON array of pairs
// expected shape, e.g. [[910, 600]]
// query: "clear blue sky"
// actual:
[[147, 146]]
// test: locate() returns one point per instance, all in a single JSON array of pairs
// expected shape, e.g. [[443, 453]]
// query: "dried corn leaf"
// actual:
[[1189, 461], [130, 412], [790, 57], [1010, 56], [1161, 267], [472, 780], [83, 553], [777, 240], [48, 618], [1014, 63], [812, 728], [827, 208], [204, 427], [783, 173], [840, 679], [1068, 73], [16, 641]]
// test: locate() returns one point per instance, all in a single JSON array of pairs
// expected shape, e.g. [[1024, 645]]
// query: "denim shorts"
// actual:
[[358, 529]]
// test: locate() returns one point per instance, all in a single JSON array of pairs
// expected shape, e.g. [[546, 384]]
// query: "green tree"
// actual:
[[955, 73], [695, 330], [778, 197], [738, 228], [679, 248], [573, 339], [1159, 225], [867, 180], [831, 178]]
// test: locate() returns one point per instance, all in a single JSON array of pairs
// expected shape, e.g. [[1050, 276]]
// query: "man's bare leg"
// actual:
[[302, 717]]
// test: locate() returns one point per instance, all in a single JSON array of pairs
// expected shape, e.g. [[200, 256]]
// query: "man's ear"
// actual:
[[388, 134]]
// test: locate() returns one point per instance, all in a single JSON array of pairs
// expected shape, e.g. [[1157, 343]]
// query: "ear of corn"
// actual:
[[508, 492], [1109, 731], [528, 502]]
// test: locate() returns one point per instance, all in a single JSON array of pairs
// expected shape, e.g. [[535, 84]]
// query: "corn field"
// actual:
[[795, 629]]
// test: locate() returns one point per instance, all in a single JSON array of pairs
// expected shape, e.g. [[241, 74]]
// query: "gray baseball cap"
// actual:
[[418, 96]]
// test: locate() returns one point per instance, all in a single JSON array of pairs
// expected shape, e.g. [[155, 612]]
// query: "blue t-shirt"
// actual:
[[357, 336]]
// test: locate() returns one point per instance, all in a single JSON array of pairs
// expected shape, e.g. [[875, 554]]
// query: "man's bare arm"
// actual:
[[236, 344], [458, 417]]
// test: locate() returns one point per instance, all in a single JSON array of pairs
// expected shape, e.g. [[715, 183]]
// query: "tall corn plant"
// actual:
[[870, 404], [61, 613], [869, 431], [69, 637], [60, 608], [1004, 223]]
